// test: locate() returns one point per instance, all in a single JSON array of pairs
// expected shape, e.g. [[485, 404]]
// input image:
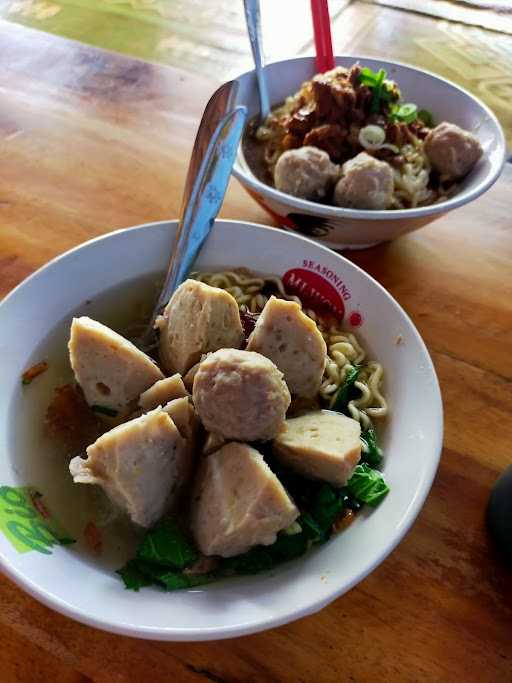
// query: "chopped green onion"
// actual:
[[375, 81], [368, 77], [377, 91], [367, 485], [426, 117], [404, 113], [372, 137], [387, 91], [105, 410]]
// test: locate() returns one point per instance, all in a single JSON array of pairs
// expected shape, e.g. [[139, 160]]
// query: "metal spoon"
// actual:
[[252, 19], [209, 171]]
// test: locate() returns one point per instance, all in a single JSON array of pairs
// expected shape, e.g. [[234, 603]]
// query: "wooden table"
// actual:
[[92, 141]]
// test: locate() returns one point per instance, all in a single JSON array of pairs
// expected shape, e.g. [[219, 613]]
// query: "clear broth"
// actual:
[[42, 461]]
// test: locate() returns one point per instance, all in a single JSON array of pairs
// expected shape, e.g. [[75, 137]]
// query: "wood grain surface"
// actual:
[[92, 142]]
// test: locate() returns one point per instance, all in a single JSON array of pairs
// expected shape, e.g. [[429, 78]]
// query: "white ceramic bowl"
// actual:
[[354, 229], [70, 581]]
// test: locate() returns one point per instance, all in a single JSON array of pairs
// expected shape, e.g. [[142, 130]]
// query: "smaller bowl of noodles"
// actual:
[[259, 459], [365, 152]]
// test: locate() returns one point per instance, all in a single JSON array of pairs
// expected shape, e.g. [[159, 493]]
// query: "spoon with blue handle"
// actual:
[[252, 19], [202, 199]]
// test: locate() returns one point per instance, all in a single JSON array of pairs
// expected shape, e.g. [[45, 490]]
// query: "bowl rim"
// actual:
[[220, 633], [328, 211]]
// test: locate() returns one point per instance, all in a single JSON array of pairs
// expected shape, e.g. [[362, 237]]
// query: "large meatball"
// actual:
[[365, 183], [452, 151], [306, 172], [240, 395]]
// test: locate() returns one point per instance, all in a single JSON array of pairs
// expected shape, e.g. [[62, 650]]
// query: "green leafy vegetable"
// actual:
[[168, 546], [285, 548], [134, 579], [173, 580], [342, 396], [289, 547], [367, 485], [373, 455], [426, 117], [253, 561], [165, 550], [310, 527], [326, 507], [105, 410], [404, 113]]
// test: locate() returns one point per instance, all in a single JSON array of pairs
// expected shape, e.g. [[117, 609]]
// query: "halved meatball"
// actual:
[[197, 319], [293, 342], [240, 395], [238, 502], [110, 369], [452, 151], [365, 183], [142, 465], [321, 445]]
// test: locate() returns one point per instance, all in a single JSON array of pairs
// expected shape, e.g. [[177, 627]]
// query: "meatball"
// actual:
[[306, 172], [452, 151], [197, 319], [365, 183], [293, 342], [110, 369], [142, 465], [320, 445], [240, 395], [238, 502]]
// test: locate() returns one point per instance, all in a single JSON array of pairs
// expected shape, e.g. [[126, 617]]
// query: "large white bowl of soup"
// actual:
[[364, 153], [275, 521]]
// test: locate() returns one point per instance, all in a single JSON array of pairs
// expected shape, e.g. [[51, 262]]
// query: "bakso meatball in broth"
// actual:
[[307, 173], [452, 151], [240, 395], [197, 319], [239, 502], [365, 183], [293, 342]]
